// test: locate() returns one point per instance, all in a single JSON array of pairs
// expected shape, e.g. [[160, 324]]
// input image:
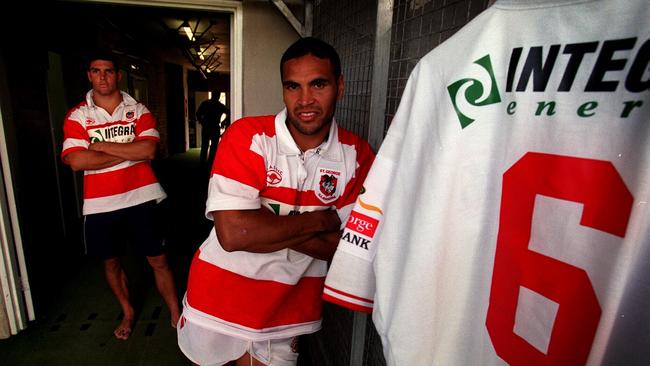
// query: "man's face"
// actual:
[[103, 77], [310, 92]]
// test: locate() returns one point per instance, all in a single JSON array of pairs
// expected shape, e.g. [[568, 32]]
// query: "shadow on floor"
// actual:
[[75, 320]]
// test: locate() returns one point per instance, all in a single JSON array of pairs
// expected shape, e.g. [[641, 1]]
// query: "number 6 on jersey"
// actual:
[[607, 205]]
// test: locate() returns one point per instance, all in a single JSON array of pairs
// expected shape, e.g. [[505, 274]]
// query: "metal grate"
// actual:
[[349, 26], [418, 27]]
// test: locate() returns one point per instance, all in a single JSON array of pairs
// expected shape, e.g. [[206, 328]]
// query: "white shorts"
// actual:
[[206, 347]]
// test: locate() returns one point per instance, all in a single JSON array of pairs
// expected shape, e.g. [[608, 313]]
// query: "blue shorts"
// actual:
[[107, 233]]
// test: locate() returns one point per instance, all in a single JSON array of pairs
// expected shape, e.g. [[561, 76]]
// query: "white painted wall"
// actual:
[[266, 35]]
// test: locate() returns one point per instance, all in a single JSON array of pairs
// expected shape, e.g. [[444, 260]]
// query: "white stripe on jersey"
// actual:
[[219, 184], [150, 133], [132, 198], [70, 143], [243, 332], [285, 266], [123, 165]]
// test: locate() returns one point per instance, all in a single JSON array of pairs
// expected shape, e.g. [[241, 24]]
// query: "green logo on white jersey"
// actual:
[[96, 136], [474, 92]]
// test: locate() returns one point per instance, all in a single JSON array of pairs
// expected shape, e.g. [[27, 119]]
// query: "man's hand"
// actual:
[[321, 246], [330, 220], [98, 146]]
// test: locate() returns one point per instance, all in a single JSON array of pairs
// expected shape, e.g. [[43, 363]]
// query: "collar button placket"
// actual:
[[302, 171]]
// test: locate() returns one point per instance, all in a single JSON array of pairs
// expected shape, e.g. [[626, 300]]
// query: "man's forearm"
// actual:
[[136, 150], [261, 231], [91, 160], [268, 246]]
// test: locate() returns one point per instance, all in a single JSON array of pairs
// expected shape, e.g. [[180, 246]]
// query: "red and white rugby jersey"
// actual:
[[126, 184], [506, 219], [260, 296]]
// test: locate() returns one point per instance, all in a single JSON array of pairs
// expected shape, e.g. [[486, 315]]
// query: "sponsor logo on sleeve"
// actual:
[[359, 233], [369, 207], [362, 224], [359, 230]]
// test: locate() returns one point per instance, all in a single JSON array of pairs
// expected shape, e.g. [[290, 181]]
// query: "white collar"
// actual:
[[126, 99], [287, 146]]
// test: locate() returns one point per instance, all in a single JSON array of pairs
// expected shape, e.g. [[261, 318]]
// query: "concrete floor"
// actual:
[[77, 329]]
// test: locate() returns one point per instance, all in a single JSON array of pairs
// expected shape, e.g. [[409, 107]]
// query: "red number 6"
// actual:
[[607, 205]]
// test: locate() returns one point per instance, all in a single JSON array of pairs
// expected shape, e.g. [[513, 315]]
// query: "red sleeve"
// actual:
[[145, 126], [238, 155], [365, 157], [75, 136]]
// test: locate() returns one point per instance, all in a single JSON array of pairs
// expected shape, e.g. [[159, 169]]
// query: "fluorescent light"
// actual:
[[188, 30]]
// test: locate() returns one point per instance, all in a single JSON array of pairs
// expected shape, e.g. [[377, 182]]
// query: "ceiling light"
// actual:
[[188, 30]]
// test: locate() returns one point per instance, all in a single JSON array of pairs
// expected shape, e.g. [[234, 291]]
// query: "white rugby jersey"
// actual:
[[260, 296], [506, 217], [128, 183]]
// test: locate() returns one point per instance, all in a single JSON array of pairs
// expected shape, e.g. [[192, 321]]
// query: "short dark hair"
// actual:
[[105, 55], [312, 46]]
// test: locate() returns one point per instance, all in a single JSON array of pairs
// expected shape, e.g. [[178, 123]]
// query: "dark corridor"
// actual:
[[76, 317], [42, 75]]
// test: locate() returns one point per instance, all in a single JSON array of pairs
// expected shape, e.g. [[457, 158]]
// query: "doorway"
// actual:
[[46, 76]]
